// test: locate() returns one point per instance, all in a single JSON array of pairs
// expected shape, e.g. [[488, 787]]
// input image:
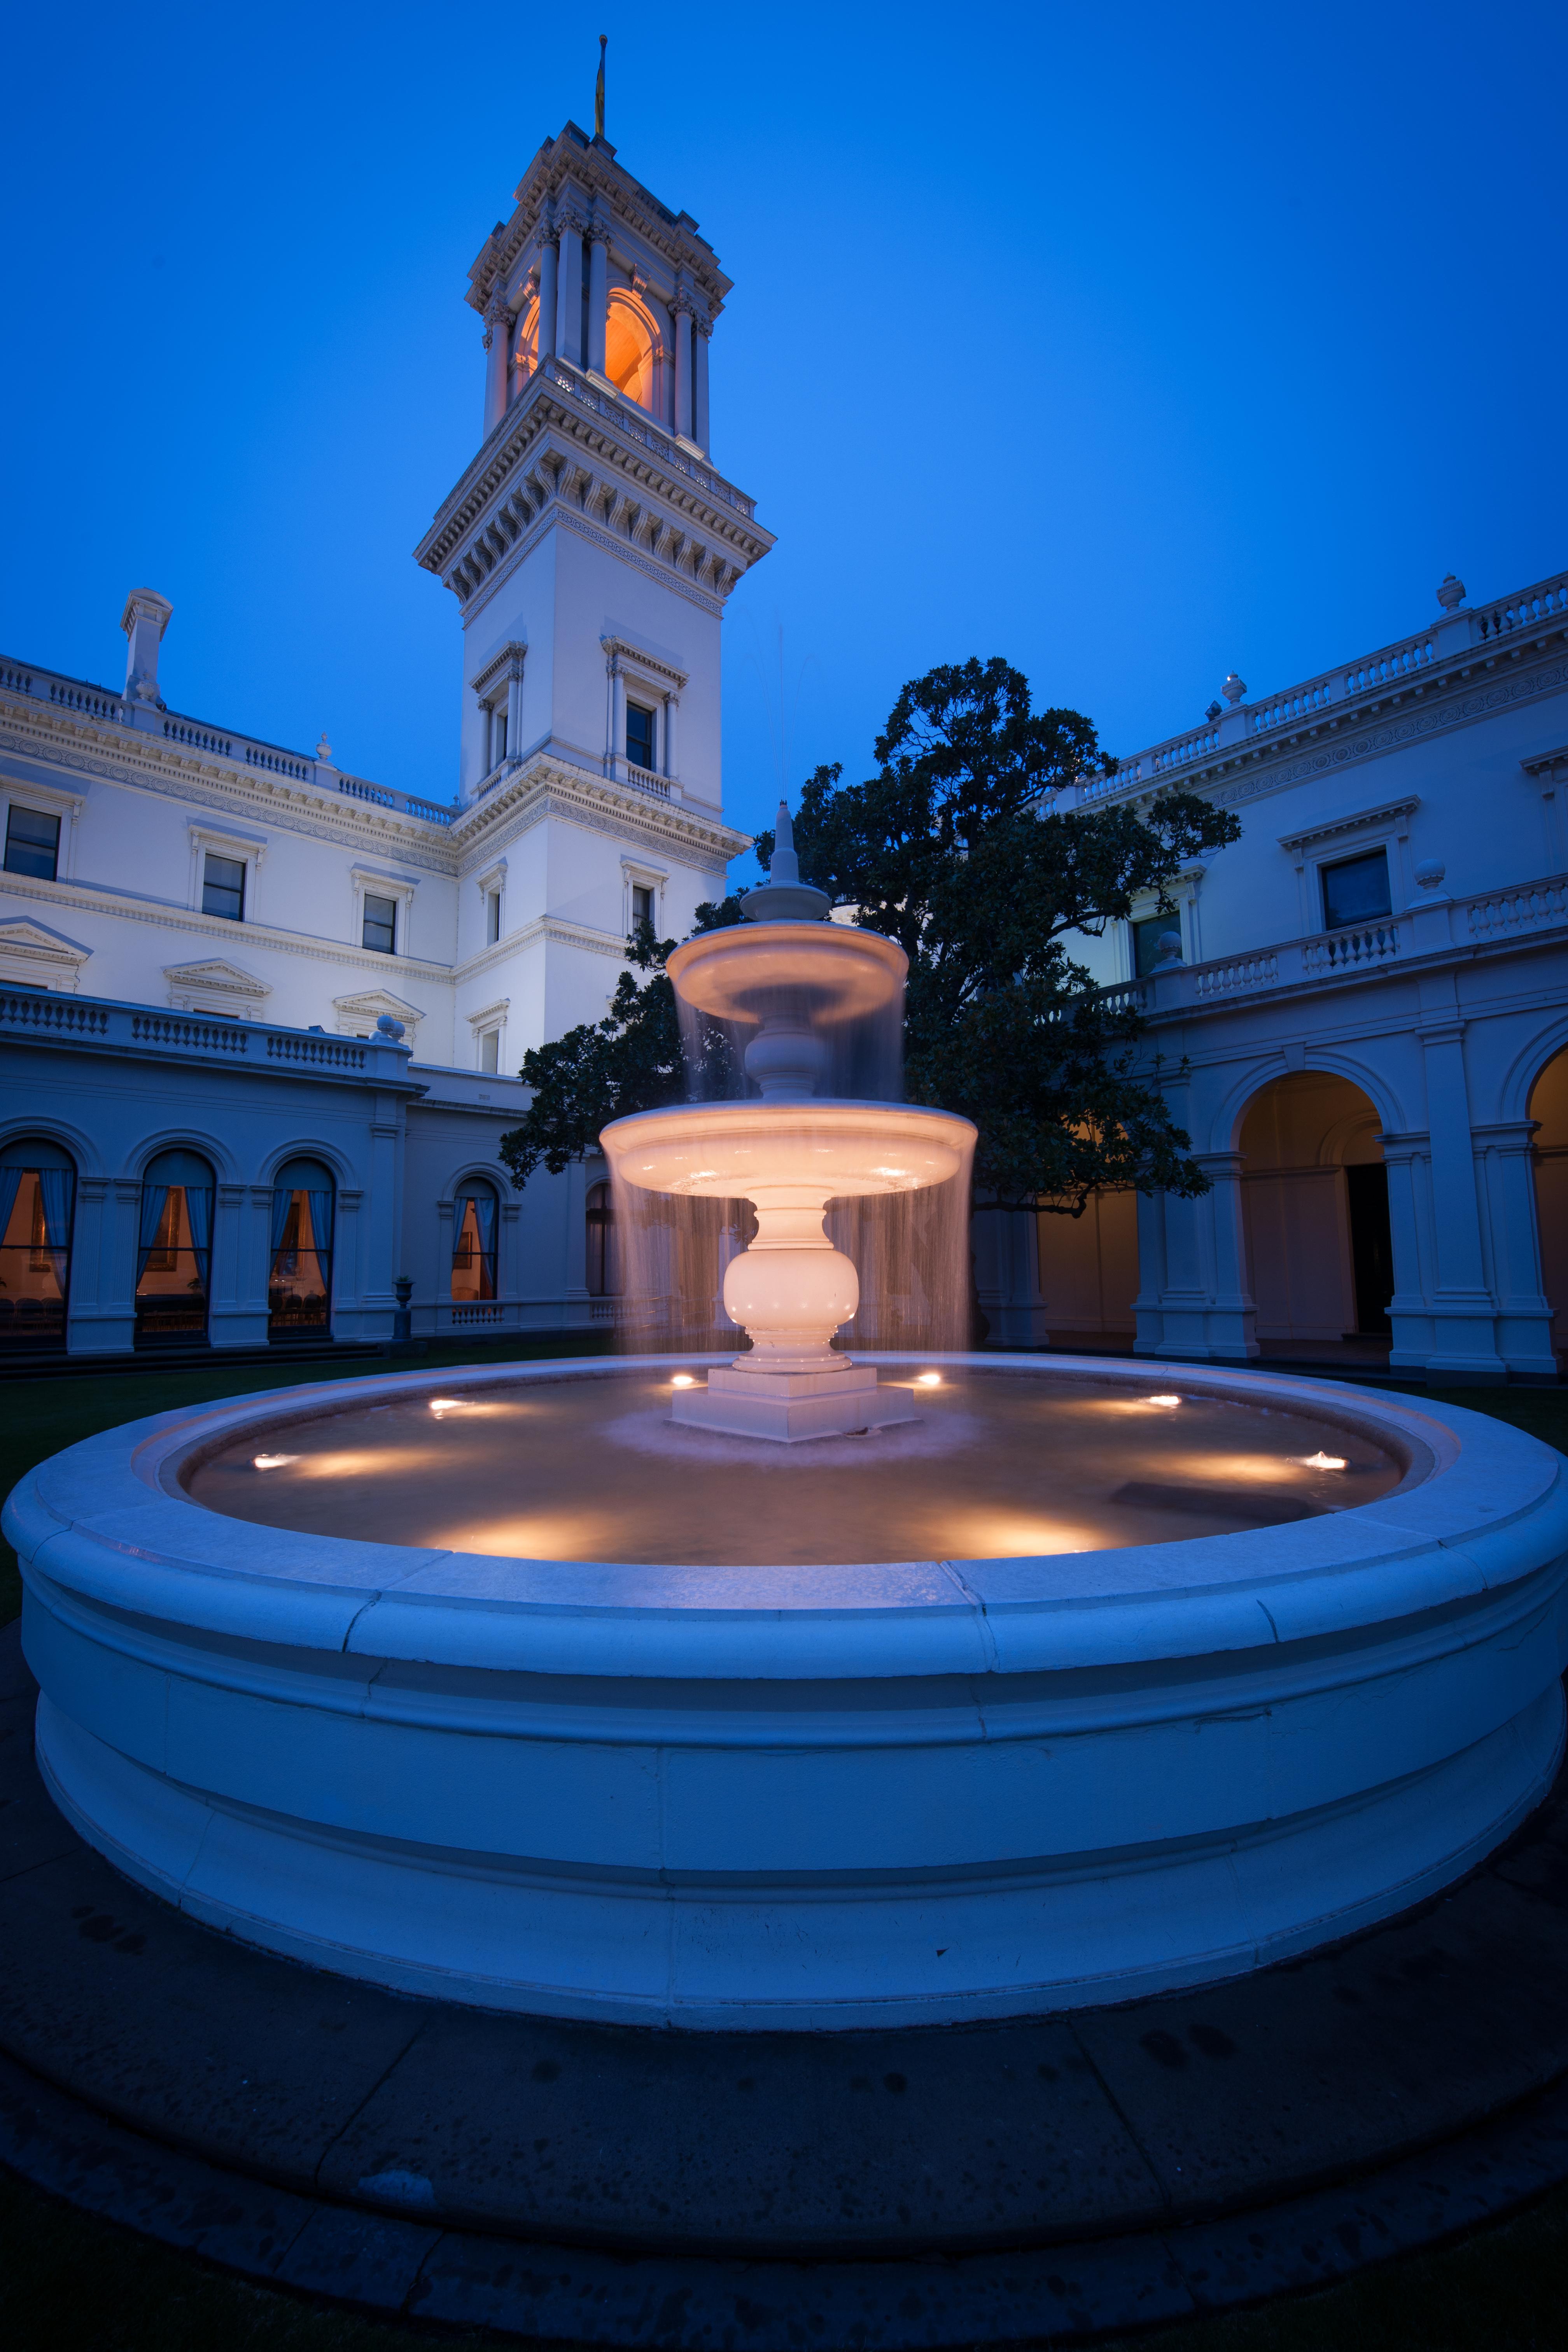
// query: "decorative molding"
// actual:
[[32, 953], [357, 1015], [216, 978], [507, 665], [621, 648], [217, 927], [1357, 821], [490, 1016], [1541, 762]]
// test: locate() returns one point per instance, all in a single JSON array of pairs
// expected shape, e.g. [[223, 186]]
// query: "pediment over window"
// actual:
[[39, 957], [213, 985], [358, 1015]]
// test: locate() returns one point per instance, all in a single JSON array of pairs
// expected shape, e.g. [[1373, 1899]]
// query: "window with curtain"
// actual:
[[475, 1216], [299, 1287], [174, 1249], [37, 1196], [604, 1275]]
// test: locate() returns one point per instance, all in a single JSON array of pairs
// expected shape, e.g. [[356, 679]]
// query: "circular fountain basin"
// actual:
[[794, 1779], [835, 971]]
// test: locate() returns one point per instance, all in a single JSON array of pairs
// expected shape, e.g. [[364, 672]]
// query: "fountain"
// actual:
[[595, 1689], [789, 978]]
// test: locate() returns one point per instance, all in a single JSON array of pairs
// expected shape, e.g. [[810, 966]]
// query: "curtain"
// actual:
[[56, 1185], [321, 1222], [485, 1209], [282, 1201], [10, 1184], [153, 1198], [199, 1209]]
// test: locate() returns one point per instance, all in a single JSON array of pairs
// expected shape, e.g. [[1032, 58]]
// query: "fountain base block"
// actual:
[[790, 1407]]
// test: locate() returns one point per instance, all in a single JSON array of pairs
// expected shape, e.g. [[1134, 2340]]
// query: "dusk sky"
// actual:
[[1136, 345]]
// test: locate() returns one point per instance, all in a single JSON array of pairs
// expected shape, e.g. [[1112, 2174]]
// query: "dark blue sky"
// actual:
[[1134, 345]]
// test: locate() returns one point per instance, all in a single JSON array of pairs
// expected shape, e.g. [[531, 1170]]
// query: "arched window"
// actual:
[[299, 1287], [174, 1249], [475, 1214], [38, 1194], [524, 348], [603, 1259], [629, 349]]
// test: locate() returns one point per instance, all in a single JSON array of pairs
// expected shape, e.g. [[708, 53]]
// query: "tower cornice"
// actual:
[[583, 173], [545, 785], [568, 445]]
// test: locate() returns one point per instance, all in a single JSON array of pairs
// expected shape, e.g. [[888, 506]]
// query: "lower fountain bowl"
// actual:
[[908, 1792]]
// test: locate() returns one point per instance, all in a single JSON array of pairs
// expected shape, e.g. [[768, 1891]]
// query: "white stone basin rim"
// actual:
[[907, 1793], [815, 1152]]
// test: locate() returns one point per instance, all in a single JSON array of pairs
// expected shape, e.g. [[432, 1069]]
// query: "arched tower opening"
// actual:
[[1314, 1201]]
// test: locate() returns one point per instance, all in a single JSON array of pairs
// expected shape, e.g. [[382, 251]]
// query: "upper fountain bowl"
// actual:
[[819, 972]]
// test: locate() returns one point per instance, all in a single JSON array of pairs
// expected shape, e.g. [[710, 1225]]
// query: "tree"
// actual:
[[952, 848]]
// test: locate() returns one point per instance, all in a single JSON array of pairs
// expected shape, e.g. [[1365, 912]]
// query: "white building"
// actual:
[[1361, 1019], [242, 896], [203, 1128]]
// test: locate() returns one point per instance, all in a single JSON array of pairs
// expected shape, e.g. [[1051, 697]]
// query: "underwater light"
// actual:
[[445, 1404], [272, 1461], [1324, 1462], [928, 1380], [683, 1380], [1166, 1401]]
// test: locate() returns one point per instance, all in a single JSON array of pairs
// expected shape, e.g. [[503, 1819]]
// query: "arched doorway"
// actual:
[[38, 1196], [475, 1216], [174, 1252], [1314, 1204], [299, 1282], [1549, 1151]]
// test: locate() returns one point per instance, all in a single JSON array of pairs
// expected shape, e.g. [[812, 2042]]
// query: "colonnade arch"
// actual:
[[1314, 1212], [1548, 1155]]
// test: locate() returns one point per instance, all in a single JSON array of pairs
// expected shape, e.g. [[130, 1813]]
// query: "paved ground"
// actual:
[[1062, 2175]]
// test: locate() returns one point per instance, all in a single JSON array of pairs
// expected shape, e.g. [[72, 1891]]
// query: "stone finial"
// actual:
[[323, 749], [1214, 710], [1234, 689], [389, 1027], [144, 620], [1451, 594], [1430, 872], [783, 897]]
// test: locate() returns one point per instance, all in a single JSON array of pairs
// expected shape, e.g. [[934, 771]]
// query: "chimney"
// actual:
[[144, 620]]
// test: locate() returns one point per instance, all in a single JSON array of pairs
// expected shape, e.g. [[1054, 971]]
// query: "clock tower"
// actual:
[[591, 545]]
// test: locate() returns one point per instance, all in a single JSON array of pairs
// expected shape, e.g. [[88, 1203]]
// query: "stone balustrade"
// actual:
[[97, 1023], [83, 699]]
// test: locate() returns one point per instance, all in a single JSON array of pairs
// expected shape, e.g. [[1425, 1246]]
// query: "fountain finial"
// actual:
[[783, 897]]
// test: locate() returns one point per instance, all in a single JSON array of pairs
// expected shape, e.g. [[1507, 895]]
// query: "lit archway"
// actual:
[[1549, 1151], [1088, 1271], [174, 1249], [300, 1280], [524, 356], [1314, 1201], [38, 1196], [631, 349]]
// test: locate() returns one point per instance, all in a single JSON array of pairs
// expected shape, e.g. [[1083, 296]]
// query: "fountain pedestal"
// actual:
[[792, 1405]]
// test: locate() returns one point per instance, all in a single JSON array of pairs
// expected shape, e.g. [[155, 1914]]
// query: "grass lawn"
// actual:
[[70, 2279]]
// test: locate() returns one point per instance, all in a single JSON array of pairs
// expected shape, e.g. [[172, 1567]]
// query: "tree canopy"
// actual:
[[952, 848]]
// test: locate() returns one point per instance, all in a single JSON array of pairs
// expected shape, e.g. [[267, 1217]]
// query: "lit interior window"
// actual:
[[628, 353]]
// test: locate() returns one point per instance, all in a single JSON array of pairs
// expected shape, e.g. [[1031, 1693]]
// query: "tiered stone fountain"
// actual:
[[788, 975]]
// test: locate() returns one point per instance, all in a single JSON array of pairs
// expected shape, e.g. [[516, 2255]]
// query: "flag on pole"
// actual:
[[599, 90]]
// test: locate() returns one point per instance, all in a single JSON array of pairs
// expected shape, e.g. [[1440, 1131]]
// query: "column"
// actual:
[[488, 722], [599, 294], [498, 338], [508, 1281], [618, 716], [1408, 1310], [1231, 1317], [681, 306], [671, 709], [700, 386], [548, 274], [1507, 1190], [569, 292], [514, 711], [1464, 1328], [233, 1321]]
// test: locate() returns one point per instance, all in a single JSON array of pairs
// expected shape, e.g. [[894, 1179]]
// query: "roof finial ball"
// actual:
[[599, 90]]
